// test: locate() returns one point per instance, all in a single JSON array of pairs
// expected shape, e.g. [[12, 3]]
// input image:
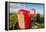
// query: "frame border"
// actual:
[[21, 3]]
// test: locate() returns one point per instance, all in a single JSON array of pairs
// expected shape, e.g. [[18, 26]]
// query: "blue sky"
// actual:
[[14, 7]]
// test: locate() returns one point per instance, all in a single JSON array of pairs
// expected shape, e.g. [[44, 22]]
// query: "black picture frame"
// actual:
[[6, 2]]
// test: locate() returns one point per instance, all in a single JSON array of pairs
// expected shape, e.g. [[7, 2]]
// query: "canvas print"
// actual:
[[23, 15]]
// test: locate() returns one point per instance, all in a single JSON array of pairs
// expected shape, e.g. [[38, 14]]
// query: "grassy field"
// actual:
[[12, 20]]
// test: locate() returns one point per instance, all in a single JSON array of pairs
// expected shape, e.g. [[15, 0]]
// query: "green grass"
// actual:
[[12, 20]]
